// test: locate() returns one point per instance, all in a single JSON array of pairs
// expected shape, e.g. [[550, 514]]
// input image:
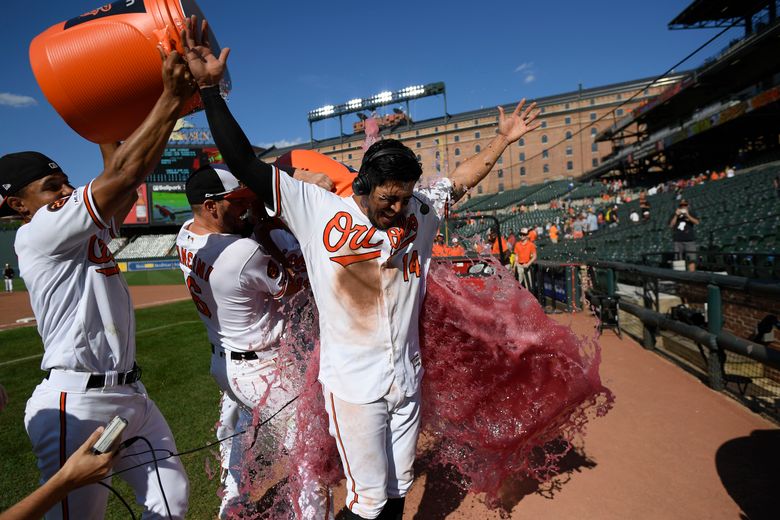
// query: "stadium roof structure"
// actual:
[[740, 65], [718, 13]]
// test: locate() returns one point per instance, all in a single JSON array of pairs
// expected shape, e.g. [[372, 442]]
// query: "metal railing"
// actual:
[[728, 361]]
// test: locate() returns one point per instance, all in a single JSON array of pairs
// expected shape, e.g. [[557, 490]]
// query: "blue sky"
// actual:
[[290, 57]]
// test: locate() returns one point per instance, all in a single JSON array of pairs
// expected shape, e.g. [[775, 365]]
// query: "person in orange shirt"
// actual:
[[439, 249], [553, 232], [532, 235], [456, 249], [503, 251], [525, 255]]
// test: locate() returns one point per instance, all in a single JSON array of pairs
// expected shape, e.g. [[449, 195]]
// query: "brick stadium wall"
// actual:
[[741, 312]]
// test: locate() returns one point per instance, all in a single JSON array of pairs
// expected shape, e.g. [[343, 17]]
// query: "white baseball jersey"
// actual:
[[368, 285], [80, 299], [224, 274]]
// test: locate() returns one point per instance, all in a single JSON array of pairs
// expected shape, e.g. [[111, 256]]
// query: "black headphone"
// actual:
[[362, 184]]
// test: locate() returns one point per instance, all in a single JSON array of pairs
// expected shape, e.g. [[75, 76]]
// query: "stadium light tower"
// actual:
[[387, 97]]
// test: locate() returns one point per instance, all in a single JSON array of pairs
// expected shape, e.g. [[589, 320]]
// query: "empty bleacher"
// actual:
[[148, 246]]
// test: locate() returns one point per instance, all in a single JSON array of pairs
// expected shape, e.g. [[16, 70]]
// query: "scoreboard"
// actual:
[[178, 162]]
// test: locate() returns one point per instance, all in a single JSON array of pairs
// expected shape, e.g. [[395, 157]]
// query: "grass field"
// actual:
[[167, 277], [173, 351]]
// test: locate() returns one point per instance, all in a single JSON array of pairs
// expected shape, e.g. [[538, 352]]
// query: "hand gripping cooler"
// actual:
[[101, 70]]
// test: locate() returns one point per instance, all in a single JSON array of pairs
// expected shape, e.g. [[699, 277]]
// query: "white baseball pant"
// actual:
[[254, 383], [61, 415], [377, 444], [9, 284]]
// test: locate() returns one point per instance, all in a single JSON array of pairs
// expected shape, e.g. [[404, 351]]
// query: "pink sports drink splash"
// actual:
[[502, 380]]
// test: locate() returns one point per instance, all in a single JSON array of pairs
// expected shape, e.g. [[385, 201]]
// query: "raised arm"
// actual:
[[131, 162], [510, 129], [228, 135]]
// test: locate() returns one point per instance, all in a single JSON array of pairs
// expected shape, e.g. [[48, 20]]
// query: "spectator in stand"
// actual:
[[714, 176], [600, 218], [683, 234], [539, 231], [634, 217], [612, 217], [525, 255], [501, 252], [553, 232], [456, 249], [438, 246], [592, 221], [579, 226], [729, 172], [532, 234]]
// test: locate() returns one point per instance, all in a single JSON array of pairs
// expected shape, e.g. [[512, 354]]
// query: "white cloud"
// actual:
[[529, 78], [16, 101], [282, 143], [524, 66]]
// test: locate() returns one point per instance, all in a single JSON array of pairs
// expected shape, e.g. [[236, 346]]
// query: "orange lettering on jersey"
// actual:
[[99, 253], [340, 229]]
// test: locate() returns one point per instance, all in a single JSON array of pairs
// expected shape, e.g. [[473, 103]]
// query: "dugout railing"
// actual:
[[693, 338]]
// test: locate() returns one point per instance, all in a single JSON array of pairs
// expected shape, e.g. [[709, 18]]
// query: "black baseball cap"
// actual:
[[19, 169], [214, 182]]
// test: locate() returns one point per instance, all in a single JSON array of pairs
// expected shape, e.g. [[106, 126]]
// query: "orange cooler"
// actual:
[[101, 70]]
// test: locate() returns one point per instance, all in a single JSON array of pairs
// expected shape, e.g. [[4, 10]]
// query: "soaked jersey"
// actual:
[[236, 288], [368, 285], [80, 300]]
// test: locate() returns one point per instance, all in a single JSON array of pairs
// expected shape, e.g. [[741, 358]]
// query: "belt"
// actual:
[[235, 356], [121, 378]]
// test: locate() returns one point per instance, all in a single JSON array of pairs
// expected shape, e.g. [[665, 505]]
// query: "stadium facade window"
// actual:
[[522, 156], [416, 132], [545, 154], [567, 120], [500, 188], [569, 150], [418, 157], [456, 126], [477, 149], [436, 141], [418, 144], [349, 156], [568, 135], [619, 111], [457, 151], [456, 138], [500, 160], [476, 121], [544, 124], [541, 110], [521, 142], [593, 131], [476, 135], [594, 147], [500, 173], [595, 161], [544, 138], [522, 171], [479, 189], [566, 106], [619, 97], [570, 165], [436, 129], [546, 168], [593, 116], [438, 154], [592, 101]]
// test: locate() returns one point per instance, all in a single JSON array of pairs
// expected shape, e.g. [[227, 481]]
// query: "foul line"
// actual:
[[38, 356]]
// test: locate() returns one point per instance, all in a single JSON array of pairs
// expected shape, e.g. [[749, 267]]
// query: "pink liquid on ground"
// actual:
[[501, 380]]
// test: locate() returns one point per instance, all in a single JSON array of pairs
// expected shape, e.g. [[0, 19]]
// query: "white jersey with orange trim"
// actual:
[[79, 298], [368, 285], [225, 274]]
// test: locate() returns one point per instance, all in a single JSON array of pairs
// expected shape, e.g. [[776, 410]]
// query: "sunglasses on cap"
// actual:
[[237, 194]]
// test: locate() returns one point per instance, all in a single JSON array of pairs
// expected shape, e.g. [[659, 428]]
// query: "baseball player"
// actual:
[[8, 276], [367, 258], [84, 313], [236, 284]]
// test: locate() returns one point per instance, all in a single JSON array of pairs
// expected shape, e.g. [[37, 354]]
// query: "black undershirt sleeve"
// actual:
[[235, 148]]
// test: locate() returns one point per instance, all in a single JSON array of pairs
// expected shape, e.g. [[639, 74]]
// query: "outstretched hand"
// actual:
[[517, 124], [206, 68], [177, 79]]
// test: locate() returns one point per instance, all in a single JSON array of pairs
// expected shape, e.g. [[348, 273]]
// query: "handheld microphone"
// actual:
[[424, 208]]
